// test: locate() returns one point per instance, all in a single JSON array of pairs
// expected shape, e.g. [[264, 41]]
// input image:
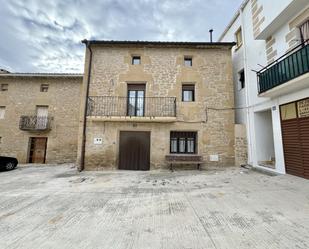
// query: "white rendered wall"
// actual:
[[249, 56]]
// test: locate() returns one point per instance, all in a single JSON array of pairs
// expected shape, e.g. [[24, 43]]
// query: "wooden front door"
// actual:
[[134, 150], [37, 149], [295, 136]]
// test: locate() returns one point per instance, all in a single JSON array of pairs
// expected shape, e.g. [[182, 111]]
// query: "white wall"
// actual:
[[251, 54], [271, 9]]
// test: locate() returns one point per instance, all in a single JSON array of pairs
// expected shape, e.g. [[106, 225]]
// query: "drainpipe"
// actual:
[[83, 149]]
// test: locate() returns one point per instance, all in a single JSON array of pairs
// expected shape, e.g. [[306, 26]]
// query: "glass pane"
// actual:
[[188, 62], [131, 103], [190, 145], [173, 145], [288, 111], [140, 103], [136, 60], [187, 95], [182, 145]]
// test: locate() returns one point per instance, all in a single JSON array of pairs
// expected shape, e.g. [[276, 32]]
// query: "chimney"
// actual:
[[210, 32]]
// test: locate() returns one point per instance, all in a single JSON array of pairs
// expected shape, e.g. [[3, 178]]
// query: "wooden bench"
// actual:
[[184, 159]]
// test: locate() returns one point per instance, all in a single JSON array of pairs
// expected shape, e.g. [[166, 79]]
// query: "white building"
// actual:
[[273, 104]]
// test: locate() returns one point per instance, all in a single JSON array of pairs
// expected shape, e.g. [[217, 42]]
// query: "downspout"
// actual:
[[83, 149]]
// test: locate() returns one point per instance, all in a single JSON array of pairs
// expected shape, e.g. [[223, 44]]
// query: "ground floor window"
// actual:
[[183, 142]]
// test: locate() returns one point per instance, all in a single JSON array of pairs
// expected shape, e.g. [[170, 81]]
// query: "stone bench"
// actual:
[[184, 159]]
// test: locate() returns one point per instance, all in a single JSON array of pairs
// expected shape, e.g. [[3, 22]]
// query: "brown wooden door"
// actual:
[[134, 150], [295, 134], [37, 149]]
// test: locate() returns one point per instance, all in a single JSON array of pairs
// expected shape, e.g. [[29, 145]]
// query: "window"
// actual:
[[188, 93], [304, 31], [41, 117], [238, 36], [2, 112], [136, 60], [4, 87], [44, 87], [136, 100], [188, 61], [288, 111], [183, 142], [241, 75]]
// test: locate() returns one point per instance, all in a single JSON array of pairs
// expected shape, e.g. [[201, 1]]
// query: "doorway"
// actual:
[[37, 153], [265, 149], [136, 100], [134, 150]]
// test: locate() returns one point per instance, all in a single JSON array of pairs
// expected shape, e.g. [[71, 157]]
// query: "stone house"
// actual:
[[39, 116], [142, 101]]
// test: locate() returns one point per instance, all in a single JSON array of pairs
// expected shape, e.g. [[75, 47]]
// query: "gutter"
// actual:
[[83, 149]]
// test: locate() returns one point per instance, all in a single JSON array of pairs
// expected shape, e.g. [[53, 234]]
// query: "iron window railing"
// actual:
[[35, 123], [136, 106], [289, 66]]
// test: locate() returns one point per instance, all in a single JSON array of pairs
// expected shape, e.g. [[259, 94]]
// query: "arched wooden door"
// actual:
[[134, 150]]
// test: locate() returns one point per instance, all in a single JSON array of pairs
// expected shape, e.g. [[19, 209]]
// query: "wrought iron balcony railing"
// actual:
[[137, 106], [35, 123], [289, 66]]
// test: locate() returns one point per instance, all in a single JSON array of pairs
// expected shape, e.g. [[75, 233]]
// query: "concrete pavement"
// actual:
[[56, 207]]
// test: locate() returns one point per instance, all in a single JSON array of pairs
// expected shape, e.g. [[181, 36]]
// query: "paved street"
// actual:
[[56, 207]]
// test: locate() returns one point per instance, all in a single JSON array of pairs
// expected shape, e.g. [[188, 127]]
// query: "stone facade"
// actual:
[[22, 98], [162, 69], [257, 17], [241, 145]]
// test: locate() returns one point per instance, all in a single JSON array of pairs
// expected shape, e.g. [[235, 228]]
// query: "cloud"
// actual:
[[44, 36]]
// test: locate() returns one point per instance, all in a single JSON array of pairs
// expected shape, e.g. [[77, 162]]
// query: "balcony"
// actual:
[[287, 74], [35, 123], [137, 109]]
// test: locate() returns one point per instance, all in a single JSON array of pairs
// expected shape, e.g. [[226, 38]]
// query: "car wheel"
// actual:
[[9, 166]]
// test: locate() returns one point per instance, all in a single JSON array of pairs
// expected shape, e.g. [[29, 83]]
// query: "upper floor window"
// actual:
[[238, 38], [183, 142], [242, 81], [42, 110], [188, 93], [4, 87], [136, 60], [2, 112], [188, 61], [304, 31], [44, 88], [136, 100]]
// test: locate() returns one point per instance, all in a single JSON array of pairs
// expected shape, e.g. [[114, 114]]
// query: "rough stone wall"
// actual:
[[163, 72], [241, 145], [22, 97]]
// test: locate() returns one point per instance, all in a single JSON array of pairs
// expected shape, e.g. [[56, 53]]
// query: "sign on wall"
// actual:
[[303, 108], [97, 140]]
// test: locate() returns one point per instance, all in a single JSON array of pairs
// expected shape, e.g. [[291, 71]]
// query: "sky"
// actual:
[[45, 35]]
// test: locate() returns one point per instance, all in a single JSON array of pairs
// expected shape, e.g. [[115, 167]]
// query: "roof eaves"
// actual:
[[17, 74], [158, 43], [242, 6]]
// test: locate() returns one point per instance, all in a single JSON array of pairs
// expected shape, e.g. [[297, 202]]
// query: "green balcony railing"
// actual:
[[287, 67]]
